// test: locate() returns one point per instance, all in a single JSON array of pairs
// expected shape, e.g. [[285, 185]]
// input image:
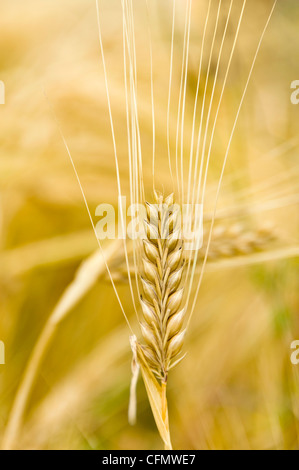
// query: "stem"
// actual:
[[164, 402], [25, 389], [89, 271], [165, 410]]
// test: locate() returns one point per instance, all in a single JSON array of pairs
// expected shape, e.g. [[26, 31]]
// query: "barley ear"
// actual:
[[161, 303], [163, 268]]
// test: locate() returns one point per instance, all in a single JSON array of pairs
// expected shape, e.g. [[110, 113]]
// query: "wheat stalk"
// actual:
[[163, 267], [87, 274]]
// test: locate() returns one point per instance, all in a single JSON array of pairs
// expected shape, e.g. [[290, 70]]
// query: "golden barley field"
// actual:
[[66, 379]]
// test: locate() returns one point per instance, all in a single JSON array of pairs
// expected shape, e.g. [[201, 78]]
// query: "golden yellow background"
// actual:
[[236, 388]]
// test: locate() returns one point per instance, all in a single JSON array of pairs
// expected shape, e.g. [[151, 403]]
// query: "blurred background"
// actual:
[[237, 388]]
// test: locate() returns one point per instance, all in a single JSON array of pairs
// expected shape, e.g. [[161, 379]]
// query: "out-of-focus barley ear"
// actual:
[[227, 243]]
